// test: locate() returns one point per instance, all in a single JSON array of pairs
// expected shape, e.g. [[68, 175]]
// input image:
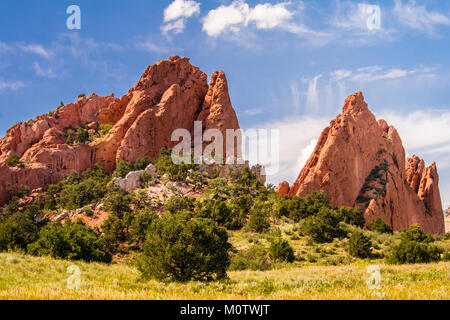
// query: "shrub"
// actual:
[[176, 204], [254, 258], [77, 191], [122, 168], [141, 163], [414, 252], [414, 233], [69, 139], [281, 250], [415, 247], [359, 245], [72, 242], [446, 256], [82, 135], [113, 232], [140, 224], [181, 249], [378, 225], [350, 215], [17, 231], [223, 213], [165, 165], [258, 220], [323, 227], [81, 95], [118, 203], [13, 161], [104, 129]]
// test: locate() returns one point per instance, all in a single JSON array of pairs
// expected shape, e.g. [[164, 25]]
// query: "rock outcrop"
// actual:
[[359, 161], [170, 94]]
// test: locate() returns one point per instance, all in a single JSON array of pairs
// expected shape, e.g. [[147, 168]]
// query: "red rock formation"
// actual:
[[170, 94], [283, 188], [359, 161]]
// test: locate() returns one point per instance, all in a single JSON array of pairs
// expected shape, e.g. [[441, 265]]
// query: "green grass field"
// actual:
[[26, 277]]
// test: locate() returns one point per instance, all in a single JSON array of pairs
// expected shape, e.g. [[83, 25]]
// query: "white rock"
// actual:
[[152, 170], [61, 216]]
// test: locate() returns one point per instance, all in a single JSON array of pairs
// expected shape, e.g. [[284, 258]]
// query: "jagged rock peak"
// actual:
[[359, 161]]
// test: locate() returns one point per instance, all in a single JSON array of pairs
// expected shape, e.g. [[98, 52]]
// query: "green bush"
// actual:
[[114, 232], [118, 203], [258, 220], [77, 191], [378, 225], [178, 248], [141, 163], [359, 245], [281, 250], [415, 247], [123, 167], [165, 165], [104, 129], [13, 161], [17, 231], [81, 95], [141, 223], [254, 258], [69, 139], [82, 135], [72, 242], [350, 215], [219, 210], [323, 227], [446, 256], [176, 204]]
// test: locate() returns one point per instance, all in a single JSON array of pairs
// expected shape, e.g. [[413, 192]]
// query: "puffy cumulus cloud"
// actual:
[[226, 18], [238, 15], [419, 17], [268, 16], [181, 9], [176, 13]]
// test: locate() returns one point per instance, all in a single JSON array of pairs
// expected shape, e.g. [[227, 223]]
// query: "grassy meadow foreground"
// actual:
[[26, 277]]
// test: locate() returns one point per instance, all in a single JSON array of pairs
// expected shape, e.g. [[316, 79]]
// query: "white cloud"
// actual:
[[181, 9], [422, 130], [253, 112], [312, 97], [305, 154], [268, 16], [418, 17], [176, 27], [376, 73], [239, 15], [296, 137], [11, 85], [48, 73], [36, 49], [178, 11]]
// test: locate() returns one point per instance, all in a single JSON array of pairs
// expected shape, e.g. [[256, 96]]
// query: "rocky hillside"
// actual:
[[359, 161], [171, 94]]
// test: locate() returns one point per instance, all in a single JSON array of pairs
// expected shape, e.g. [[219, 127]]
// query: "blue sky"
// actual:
[[290, 64]]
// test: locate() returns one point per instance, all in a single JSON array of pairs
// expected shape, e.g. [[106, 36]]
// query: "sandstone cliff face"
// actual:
[[359, 161], [171, 94]]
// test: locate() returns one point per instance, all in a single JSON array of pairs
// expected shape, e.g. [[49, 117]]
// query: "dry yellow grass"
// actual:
[[25, 277]]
